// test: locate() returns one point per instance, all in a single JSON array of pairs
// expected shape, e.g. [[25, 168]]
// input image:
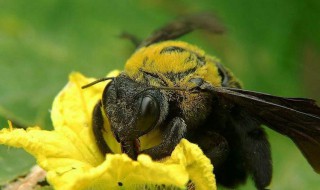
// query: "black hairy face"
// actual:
[[133, 109]]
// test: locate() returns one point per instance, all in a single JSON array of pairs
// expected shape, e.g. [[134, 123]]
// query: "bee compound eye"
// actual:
[[148, 114]]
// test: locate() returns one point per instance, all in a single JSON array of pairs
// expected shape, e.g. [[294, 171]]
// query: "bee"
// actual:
[[178, 91]]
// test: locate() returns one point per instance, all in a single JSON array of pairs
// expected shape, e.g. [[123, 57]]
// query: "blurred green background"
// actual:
[[272, 46]]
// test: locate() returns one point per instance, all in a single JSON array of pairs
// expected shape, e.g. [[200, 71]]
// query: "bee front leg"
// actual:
[[97, 127], [172, 136]]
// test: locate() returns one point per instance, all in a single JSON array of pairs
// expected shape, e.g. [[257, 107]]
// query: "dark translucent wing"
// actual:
[[301, 104], [296, 118], [183, 26], [134, 39]]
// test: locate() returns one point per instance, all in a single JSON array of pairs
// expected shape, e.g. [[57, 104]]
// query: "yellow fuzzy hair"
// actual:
[[149, 59]]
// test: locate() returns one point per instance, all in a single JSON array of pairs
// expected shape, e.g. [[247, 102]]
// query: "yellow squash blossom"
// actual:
[[73, 161]]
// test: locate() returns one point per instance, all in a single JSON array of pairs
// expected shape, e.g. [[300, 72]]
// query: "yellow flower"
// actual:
[[73, 161]]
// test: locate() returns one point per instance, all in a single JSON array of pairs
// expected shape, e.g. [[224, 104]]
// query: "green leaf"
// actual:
[[14, 163]]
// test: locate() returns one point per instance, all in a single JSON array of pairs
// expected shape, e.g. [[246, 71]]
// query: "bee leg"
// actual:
[[214, 146], [174, 132], [256, 150], [97, 127]]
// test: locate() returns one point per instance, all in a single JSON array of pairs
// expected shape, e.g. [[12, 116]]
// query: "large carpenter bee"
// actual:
[[179, 91]]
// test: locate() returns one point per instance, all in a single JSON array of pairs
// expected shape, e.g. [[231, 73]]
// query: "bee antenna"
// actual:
[[97, 81]]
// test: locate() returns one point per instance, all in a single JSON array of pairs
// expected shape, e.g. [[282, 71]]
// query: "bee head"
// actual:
[[132, 109]]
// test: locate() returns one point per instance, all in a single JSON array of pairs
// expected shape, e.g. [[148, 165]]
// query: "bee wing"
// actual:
[[301, 104], [183, 26], [297, 118]]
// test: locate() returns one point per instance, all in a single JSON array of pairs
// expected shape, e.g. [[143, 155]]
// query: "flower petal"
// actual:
[[118, 171], [197, 164], [72, 160], [72, 114], [51, 149]]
